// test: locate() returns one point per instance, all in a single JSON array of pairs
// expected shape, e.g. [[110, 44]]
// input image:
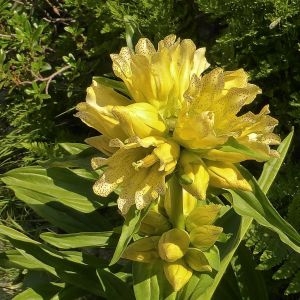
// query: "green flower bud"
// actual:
[[173, 244], [177, 273], [154, 223], [202, 215], [197, 260], [205, 236], [143, 250]]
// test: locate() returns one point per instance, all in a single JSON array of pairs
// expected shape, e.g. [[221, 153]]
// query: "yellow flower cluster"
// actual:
[[175, 119]]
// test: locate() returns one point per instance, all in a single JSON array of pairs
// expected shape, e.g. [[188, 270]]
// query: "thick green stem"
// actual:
[[176, 202]]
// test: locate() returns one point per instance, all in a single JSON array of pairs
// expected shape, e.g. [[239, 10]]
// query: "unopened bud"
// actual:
[[173, 244], [154, 223]]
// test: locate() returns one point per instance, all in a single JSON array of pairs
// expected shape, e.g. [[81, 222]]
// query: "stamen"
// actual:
[[146, 162]]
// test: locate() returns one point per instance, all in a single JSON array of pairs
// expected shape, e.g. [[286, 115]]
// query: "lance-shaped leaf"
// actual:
[[131, 225], [257, 206]]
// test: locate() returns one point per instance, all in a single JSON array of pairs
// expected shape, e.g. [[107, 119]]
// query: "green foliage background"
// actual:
[[50, 50]]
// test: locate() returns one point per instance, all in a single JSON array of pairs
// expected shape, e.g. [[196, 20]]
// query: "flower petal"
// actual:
[[197, 130], [101, 142], [160, 77], [226, 175], [139, 119], [193, 173]]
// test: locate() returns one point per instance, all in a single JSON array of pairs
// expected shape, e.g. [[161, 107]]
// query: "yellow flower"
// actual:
[[176, 120], [96, 112], [160, 77], [138, 168], [209, 117]]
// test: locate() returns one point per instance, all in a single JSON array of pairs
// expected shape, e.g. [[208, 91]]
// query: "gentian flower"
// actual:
[[175, 119]]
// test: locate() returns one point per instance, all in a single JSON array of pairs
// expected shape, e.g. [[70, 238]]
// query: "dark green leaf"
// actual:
[[113, 286], [250, 281]]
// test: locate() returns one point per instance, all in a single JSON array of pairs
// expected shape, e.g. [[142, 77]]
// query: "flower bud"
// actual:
[[154, 223], [205, 236], [193, 174], [202, 215], [226, 175], [96, 112], [173, 244], [177, 273], [197, 260], [143, 250]]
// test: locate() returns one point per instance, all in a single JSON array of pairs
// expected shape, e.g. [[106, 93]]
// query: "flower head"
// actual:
[[177, 119]]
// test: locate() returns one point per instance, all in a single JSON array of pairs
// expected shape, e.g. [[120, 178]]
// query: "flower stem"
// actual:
[[176, 203]]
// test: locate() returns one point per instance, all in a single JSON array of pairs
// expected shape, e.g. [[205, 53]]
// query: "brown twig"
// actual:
[[48, 79]]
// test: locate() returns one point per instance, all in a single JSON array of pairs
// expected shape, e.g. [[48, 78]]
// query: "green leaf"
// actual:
[[55, 184], [113, 286], [294, 286], [60, 264], [70, 292], [256, 205], [228, 288], [213, 257], [272, 166], [30, 294], [232, 145], [250, 281], [74, 148], [131, 225], [80, 240], [111, 83], [150, 282], [14, 234], [62, 216], [42, 284], [80, 157], [60, 196], [196, 287], [21, 260]]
